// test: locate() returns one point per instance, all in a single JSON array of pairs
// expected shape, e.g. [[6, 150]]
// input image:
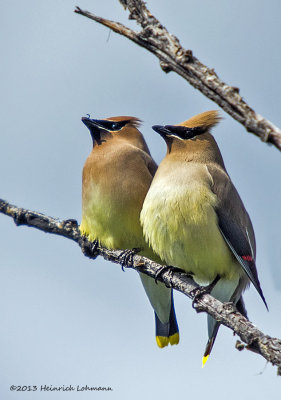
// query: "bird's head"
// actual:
[[192, 135], [123, 127], [189, 129]]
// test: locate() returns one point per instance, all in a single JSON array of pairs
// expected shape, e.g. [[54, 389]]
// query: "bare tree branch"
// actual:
[[226, 314], [173, 57]]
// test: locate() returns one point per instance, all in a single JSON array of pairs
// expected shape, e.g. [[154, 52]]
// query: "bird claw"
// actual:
[[200, 290], [70, 223], [169, 269], [160, 272], [94, 246], [127, 257], [197, 293], [89, 248]]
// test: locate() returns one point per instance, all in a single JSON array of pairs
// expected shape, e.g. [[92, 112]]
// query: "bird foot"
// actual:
[[70, 223], [200, 290], [197, 293], [126, 257], [166, 268], [89, 248]]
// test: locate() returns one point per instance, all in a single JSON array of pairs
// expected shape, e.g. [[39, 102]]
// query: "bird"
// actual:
[[194, 218], [116, 177]]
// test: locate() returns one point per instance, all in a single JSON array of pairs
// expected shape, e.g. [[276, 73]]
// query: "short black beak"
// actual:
[[161, 130], [95, 127], [95, 124]]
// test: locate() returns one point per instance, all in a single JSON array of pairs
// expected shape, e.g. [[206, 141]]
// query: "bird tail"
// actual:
[[167, 333], [240, 305], [161, 299], [224, 291], [211, 340]]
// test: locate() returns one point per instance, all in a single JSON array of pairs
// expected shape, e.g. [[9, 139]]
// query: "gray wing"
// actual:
[[235, 224]]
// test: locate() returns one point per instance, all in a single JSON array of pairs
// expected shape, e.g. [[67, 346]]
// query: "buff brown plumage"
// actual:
[[116, 177], [194, 218]]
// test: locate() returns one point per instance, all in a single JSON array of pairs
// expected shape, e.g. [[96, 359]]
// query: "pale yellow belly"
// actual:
[[113, 222], [112, 226], [181, 226]]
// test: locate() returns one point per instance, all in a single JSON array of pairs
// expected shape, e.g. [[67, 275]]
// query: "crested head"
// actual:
[[191, 139], [205, 120], [189, 129], [112, 124], [133, 121], [116, 128]]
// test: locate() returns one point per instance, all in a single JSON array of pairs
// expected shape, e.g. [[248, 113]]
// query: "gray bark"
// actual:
[[173, 57]]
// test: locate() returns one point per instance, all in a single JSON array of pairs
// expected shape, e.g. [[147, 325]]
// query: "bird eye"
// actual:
[[113, 126], [88, 115]]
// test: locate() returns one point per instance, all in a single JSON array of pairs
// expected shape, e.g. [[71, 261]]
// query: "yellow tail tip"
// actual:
[[204, 360], [163, 341], [174, 339]]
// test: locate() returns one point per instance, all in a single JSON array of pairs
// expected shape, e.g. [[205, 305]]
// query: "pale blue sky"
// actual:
[[66, 319]]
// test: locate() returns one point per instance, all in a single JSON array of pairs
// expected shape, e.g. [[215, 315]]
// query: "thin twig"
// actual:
[[173, 57], [226, 314]]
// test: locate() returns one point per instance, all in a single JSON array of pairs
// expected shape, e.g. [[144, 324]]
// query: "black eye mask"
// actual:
[[182, 132], [109, 125]]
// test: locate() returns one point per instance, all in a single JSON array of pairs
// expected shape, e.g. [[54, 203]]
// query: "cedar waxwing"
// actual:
[[194, 219], [116, 177]]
